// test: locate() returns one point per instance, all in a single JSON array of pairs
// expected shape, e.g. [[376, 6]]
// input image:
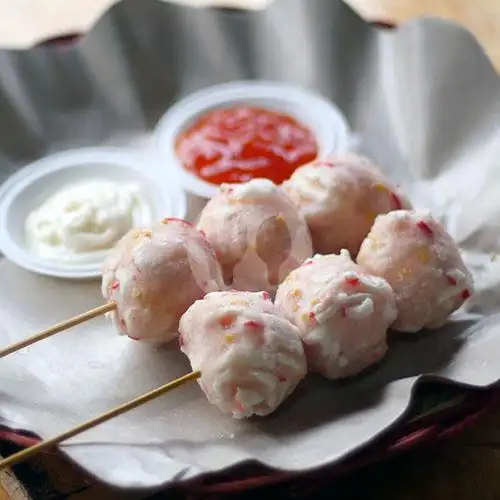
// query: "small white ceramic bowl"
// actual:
[[323, 118], [31, 186]]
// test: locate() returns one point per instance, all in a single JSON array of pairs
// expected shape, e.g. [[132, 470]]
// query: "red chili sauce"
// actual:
[[241, 143]]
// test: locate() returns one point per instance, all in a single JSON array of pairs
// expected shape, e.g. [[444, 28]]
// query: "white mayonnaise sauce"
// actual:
[[85, 218]]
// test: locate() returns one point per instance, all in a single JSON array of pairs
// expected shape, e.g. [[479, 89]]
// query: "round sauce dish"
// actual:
[[61, 215], [243, 130]]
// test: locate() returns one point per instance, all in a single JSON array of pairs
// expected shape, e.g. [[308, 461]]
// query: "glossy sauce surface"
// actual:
[[242, 143]]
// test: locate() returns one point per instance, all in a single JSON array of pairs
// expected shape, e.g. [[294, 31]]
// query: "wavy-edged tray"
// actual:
[[436, 415], [425, 102]]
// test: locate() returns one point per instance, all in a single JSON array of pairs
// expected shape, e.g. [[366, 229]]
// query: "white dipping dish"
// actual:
[[326, 122], [31, 186]]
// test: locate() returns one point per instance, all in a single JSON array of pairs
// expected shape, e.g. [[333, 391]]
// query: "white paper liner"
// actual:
[[425, 103]]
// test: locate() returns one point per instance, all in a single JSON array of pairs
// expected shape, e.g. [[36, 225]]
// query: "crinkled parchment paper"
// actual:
[[425, 102]]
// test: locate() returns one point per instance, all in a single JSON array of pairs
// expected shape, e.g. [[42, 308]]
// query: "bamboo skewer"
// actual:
[[64, 325], [145, 398]]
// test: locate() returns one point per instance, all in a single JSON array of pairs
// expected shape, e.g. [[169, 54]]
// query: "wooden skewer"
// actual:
[[64, 325], [49, 443]]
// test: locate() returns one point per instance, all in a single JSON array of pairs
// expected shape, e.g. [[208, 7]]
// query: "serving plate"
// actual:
[[424, 101]]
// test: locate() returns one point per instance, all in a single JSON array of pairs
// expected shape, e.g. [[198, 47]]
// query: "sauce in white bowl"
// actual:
[[305, 108], [61, 215], [85, 218]]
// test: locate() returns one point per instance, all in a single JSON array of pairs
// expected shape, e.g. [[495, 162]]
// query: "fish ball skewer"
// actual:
[[250, 357], [413, 252], [257, 233], [342, 312], [339, 198], [154, 275]]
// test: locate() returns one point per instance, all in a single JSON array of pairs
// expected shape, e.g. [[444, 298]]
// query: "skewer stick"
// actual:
[[64, 325], [49, 443]]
